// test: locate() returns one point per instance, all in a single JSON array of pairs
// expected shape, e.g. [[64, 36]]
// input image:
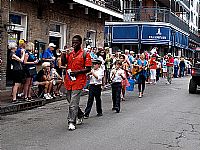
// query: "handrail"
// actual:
[[157, 14]]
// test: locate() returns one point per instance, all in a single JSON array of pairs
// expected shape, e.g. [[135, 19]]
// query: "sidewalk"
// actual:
[[6, 106]]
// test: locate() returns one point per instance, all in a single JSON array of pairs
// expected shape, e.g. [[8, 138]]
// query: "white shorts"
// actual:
[[164, 70], [153, 74]]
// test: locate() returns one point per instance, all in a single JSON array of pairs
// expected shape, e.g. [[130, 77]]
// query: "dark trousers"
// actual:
[[175, 71], [157, 74], [141, 83], [116, 95], [94, 92]]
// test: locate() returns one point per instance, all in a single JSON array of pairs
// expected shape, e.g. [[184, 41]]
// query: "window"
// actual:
[[54, 28], [15, 19]]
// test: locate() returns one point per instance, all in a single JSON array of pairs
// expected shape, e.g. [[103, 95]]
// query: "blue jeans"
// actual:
[[182, 71], [175, 71]]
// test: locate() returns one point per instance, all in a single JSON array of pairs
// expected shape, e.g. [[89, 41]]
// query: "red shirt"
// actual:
[[170, 62], [75, 61], [152, 64]]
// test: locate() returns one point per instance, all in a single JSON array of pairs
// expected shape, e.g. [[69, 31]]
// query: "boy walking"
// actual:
[[96, 76]]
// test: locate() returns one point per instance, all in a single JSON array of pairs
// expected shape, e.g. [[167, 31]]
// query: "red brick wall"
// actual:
[[38, 29]]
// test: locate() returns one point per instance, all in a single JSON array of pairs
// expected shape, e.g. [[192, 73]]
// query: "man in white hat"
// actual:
[[48, 55], [44, 81]]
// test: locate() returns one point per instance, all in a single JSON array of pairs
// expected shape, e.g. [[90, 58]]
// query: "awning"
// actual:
[[125, 34], [155, 34]]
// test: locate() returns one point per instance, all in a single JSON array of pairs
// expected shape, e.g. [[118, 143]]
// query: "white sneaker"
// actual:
[[79, 121], [49, 95], [71, 126], [46, 96], [167, 83]]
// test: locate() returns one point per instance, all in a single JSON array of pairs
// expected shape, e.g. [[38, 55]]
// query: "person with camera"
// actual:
[[48, 55]]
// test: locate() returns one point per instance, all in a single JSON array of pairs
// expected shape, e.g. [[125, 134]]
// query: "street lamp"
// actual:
[[9, 27], [174, 40]]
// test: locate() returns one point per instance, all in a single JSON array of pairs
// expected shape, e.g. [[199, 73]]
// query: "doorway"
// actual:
[[56, 41]]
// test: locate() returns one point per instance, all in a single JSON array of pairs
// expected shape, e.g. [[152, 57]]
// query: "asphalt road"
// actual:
[[166, 118]]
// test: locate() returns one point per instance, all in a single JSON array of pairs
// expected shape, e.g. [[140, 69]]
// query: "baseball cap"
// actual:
[[52, 45], [96, 61], [21, 41]]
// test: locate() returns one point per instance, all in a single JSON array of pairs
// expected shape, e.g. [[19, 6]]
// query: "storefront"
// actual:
[[141, 37]]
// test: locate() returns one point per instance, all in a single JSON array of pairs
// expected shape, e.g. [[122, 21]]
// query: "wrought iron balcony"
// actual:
[[186, 2], [146, 14], [110, 4]]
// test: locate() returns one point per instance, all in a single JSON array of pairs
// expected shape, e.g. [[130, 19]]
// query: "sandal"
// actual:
[[15, 101]]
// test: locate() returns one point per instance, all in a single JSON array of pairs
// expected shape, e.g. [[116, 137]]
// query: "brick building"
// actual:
[[57, 21]]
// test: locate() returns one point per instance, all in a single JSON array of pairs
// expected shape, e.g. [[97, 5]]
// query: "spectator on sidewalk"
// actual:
[[96, 76], [176, 67], [30, 62], [44, 80], [182, 66], [48, 55], [57, 82], [20, 52], [18, 72], [77, 67]]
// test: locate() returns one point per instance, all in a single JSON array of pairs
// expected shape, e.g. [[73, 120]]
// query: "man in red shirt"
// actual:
[[170, 68], [77, 67]]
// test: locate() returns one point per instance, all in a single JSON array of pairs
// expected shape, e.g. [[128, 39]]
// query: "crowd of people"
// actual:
[[88, 69]]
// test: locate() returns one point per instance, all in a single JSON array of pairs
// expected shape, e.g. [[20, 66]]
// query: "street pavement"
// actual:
[[166, 118]]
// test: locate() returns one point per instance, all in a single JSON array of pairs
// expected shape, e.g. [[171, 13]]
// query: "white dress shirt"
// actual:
[[97, 81], [117, 75]]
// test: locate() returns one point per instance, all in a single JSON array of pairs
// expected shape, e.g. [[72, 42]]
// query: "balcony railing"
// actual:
[[186, 2], [157, 15], [110, 4], [195, 37]]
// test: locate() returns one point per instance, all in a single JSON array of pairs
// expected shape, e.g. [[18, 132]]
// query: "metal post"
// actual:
[[140, 10], [139, 39]]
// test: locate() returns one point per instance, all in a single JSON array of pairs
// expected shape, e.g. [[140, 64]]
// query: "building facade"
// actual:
[[154, 23], [56, 21]]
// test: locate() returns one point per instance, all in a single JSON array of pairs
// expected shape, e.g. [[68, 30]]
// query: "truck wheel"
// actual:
[[192, 86]]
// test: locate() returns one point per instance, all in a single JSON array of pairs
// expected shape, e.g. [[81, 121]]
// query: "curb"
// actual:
[[22, 106]]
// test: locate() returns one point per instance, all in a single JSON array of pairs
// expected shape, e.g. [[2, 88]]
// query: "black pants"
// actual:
[[116, 95], [94, 91], [141, 83]]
